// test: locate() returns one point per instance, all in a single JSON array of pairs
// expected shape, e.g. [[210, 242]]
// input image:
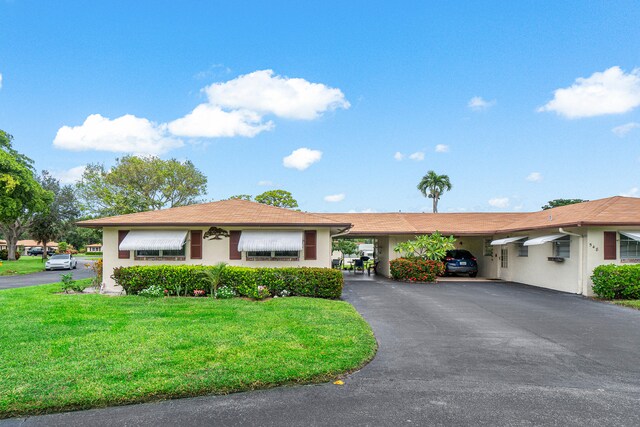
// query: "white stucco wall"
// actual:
[[213, 252]]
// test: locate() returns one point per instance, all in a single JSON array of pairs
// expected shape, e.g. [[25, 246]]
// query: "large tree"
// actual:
[[561, 202], [21, 196], [279, 198], [58, 219], [433, 185], [138, 184]]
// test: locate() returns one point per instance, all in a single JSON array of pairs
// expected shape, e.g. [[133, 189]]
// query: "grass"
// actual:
[[25, 265], [633, 303], [64, 352]]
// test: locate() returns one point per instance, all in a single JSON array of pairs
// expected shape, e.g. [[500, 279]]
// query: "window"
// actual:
[[166, 254], [504, 258], [523, 250], [488, 248], [629, 248], [273, 255], [562, 247]]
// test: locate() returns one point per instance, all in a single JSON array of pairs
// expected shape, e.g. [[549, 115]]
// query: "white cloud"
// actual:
[[209, 121], [265, 183], [417, 156], [0, 80], [633, 192], [534, 177], [334, 198], [499, 202], [69, 176], [623, 130], [442, 148], [398, 156], [125, 134], [266, 93], [477, 103], [302, 158], [609, 92]]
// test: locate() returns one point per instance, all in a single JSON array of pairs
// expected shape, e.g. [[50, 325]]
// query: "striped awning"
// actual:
[[543, 239], [251, 240], [153, 240], [507, 240], [635, 235]]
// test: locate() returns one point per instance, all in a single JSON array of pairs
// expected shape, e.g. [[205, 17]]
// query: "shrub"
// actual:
[[416, 270], [617, 281], [225, 292], [182, 280], [68, 284], [153, 291], [4, 255]]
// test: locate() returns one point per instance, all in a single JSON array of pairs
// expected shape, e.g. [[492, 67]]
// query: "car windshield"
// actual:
[[60, 257]]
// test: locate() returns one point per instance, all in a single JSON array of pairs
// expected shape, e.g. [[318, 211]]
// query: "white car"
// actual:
[[62, 261]]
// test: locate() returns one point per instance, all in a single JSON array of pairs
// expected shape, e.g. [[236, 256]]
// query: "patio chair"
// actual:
[[373, 267], [336, 263], [358, 264]]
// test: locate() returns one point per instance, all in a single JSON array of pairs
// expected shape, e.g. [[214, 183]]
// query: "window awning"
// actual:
[[152, 240], [635, 235], [270, 241], [543, 239], [507, 240]]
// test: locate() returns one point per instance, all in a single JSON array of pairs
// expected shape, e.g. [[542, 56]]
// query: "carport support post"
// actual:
[[581, 262]]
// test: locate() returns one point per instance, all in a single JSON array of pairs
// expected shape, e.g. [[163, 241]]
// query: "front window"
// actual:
[[629, 248], [162, 254], [273, 255], [562, 247], [523, 251]]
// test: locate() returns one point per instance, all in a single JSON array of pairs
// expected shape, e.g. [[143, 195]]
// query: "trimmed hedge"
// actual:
[[617, 281], [416, 270], [184, 279]]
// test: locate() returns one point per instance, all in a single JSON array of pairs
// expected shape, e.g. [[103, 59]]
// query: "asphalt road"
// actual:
[[44, 277], [477, 353]]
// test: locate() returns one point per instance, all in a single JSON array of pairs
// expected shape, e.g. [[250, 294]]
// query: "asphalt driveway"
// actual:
[[475, 353], [45, 277]]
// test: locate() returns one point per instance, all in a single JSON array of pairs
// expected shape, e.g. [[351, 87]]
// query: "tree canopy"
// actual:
[[279, 198], [138, 184], [21, 196], [561, 202], [427, 246], [433, 185], [345, 247], [58, 219]]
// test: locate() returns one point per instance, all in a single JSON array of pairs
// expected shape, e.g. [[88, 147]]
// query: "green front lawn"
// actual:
[[633, 303], [25, 265], [61, 352]]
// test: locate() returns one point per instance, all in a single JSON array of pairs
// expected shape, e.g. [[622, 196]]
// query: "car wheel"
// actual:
[[474, 274], [75, 266]]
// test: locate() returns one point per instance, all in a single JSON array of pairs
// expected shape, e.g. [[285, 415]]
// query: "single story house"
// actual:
[[556, 248], [28, 244], [3, 244], [94, 247]]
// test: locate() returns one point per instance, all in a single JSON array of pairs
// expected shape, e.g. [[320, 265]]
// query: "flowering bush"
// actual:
[[261, 292], [225, 292], [96, 267], [153, 291], [416, 270], [199, 293]]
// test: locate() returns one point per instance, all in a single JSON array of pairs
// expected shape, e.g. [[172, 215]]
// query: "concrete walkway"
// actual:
[[455, 353]]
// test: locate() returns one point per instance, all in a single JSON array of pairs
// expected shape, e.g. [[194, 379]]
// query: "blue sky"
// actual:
[[518, 102]]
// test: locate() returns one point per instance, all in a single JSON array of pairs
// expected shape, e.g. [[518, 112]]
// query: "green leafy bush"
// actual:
[[415, 269], [69, 285], [426, 246], [153, 291], [4, 255], [182, 280], [617, 281]]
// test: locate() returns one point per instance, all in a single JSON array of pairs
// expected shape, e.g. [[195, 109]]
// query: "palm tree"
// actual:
[[433, 185]]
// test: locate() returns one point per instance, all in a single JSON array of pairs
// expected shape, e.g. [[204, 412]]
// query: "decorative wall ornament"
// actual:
[[215, 233]]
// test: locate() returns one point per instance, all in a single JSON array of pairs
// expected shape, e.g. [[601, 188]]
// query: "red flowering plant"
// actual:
[[422, 258], [199, 292]]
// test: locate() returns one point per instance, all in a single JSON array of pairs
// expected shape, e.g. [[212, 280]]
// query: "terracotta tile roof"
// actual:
[[611, 211], [34, 243], [226, 212], [422, 223]]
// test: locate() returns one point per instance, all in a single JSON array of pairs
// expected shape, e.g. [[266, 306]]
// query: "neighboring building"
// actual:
[[28, 244], [94, 247], [3, 244], [556, 248]]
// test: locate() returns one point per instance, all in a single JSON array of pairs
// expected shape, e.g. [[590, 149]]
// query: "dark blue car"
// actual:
[[461, 261]]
